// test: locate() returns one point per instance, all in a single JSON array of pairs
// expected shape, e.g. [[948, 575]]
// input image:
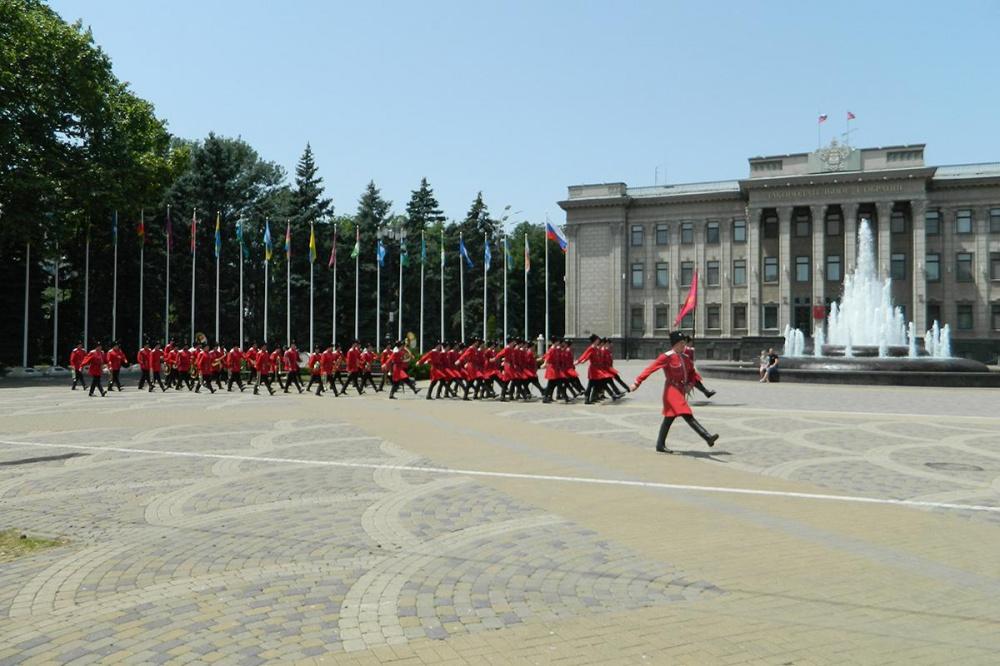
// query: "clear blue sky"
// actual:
[[521, 99]]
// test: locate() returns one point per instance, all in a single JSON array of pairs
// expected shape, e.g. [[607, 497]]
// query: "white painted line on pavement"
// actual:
[[515, 475]]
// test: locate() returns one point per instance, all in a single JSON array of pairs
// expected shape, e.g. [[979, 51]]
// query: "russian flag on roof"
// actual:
[[553, 234]]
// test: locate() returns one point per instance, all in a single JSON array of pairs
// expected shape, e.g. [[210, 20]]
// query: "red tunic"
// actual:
[[399, 363], [315, 363], [234, 360], [76, 358], [263, 363], [94, 360], [291, 360], [116, 359], [156, 360], [680, 377], [183, 360], [142, 358], [326, 361], [353, 359]]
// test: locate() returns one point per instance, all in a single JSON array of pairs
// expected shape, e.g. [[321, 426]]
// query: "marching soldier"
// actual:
[[76, 362], [116, 359], [142, 358], [94, 361], [264, 370], [234, 362], [291, 362]]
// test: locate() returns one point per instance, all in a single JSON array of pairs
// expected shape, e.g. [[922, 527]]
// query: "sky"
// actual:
[[522, 99]]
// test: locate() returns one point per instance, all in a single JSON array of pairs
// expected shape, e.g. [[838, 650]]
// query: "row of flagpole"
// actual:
[[552, 233]]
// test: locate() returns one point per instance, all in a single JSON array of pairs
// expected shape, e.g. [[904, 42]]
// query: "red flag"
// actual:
[[333, 251], [822, 118], [690, 302], [141, 231], [850, 116]]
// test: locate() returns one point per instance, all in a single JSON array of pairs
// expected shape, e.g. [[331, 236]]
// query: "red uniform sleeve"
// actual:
[[660, 363]]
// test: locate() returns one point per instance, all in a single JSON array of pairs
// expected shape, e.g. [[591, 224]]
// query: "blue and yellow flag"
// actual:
[[268, 245], [218, 234]]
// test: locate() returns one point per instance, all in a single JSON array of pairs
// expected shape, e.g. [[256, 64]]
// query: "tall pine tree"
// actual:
[[309, 207], [372, 214]]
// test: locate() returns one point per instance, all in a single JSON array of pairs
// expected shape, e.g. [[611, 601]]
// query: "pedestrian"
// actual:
[[680, 376], [95, 361], [76, 362], [771, 369], [116, 359]]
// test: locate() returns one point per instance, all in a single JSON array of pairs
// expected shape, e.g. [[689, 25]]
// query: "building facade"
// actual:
[[773, 249]]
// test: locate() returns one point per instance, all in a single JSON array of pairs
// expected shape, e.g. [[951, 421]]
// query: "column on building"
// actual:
[[726, 277], [753, 215], [701, 312], [884, 209], [619, 268], [785, 264], [818, 255], [674, 269], [850, 211], [918, 212], [572, 279], [981, 308]]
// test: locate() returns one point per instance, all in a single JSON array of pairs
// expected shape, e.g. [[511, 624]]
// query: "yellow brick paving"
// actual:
[[251, 563]]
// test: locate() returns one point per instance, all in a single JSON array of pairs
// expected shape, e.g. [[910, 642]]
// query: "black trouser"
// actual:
[[366, 376], [701, 387], [331, 384], [355, 380], [144, 378], [661, 438], [293, 378], [266, 381], [204, 380], [157, 379], [96, 382], [408, 381], [78, 379], [617, 378], [318, 380], [185, 378], [253, 376], [115, 380], [382, 383], [235, 377]]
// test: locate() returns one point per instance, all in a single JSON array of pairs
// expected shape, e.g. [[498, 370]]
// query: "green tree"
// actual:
[[371, 217]]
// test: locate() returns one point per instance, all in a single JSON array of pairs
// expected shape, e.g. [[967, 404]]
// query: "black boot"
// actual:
[[700, 429], [661, 438]]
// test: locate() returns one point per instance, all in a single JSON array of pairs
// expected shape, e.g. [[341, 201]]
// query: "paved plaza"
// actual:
[[245, 529]]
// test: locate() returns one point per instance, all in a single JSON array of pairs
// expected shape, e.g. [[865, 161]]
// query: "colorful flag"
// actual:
[[380, 253], [218, 234], [404, 254], [442, 248], [506, 249], [170, 231], [850, 116], [288, 240], [194, 231], [487, 255], [690, 302], [527, 255], [464, 253], [822, 118], [312, 244], [553, 234], [333, 250], [268, 245], [239, 237], [141, 230], [356, 250]]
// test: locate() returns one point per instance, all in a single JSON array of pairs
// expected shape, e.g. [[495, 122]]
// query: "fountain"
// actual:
[[866, 339]]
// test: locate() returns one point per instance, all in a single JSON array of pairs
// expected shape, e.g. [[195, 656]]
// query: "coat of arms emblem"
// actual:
[[834, 157]]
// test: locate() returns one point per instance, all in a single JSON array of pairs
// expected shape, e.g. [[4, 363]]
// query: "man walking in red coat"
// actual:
[[290, 359], [94, 361], [264, 370], [76, 362], [680, 377], [116, 359]]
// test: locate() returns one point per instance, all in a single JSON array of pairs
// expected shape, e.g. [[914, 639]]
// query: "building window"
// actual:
[[897, 222], [662, 275], [637, 324], [662, 314], [637, 276], [712, 273], [833, 268], [770, 227], [963, 267], [740, 317], [933, 263], [687, 268], [932, 222], [995, 266], [833, 224], [712, 318], [995, 220], [897, 266], [802, 269], [963, 221], [739, 271], [662, 234], [965, 322], [712, 232], [802, 226], [771, 317], [995, 317], [687, 233], [770, 269], [740, 231], [688, 321], [637, 233], [933, 313]]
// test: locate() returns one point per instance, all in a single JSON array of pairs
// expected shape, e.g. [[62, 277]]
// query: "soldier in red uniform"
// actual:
[[155, 367], [116, 359], [276, 363], [76, 362], [291, 362], [367, 361], [314, 363], [327, 364], [142, 358], [399, 362], [250, 355], [435, 360], [184, 363], [203, 362], [264, 370], [338, 369], [470, 362], [353, 362], [94, 362], [170, 362], [384, 360], [680, 377], [234, 363]]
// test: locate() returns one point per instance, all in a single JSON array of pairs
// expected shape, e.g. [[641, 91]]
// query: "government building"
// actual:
[[773, 249]]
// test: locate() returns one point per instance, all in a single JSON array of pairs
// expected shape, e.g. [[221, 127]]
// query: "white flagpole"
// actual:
[[194, 255], [114, 286], [266, 283], [461, 283], [486, 276], [55, 315], [357, 257], [288, 295], [441, 263], [546, 241], [333, 336], [218, 258], [27, 292], [86, 290], [378, 300], [527, 258], [506, 247], [166, 307], [312, 264], [242, 231], [142, 268], [399, 314], [423, 252]]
